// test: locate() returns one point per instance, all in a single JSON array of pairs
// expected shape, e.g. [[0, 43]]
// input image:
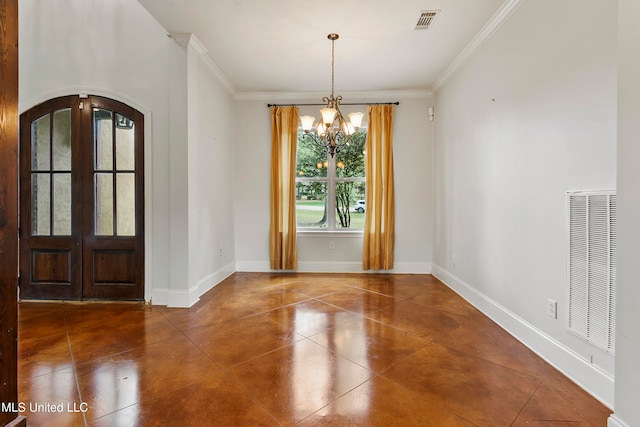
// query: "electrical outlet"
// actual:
[[552, 308], [332, 245]]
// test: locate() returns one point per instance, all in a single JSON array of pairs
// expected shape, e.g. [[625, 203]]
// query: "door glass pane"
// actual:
[[62, 204], [62, 140], [41, 143], [126, 204], [125, 153], [103, 191], [103, 134], [40, 204]]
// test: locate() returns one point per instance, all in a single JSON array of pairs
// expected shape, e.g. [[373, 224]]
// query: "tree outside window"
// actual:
[[327, 189]]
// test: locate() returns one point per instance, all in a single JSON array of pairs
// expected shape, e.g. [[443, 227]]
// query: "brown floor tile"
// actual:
[[370, 344], [576, 397], [394, 286], [294, 382], [234, 304], [236, 341], [50, 398], [317, 285], [483, 338], [419, 320], [436, 295], [482, 392], [43, 354], [379, 402], [122, 332], [310, 317], [548, 408], [115, 382], [358, 300], [40, 321], [212, 401]]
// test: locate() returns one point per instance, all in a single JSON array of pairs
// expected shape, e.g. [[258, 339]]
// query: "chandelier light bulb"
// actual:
[[356, 119], [328, 115], [307, 122]]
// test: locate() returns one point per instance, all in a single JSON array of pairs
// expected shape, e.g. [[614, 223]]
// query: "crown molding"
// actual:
[[496, 21], [182, 39], [188, 40], [347, 96]]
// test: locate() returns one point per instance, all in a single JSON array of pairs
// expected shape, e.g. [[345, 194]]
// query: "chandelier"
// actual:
[[333, 132]]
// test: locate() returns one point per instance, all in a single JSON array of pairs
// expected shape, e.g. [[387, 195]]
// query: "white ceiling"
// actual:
[[282, 45]]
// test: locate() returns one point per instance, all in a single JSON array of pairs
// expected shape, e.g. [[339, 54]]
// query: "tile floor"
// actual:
[[290, 349]]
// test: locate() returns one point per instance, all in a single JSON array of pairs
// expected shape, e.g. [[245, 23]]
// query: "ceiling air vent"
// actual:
[[426, 18]]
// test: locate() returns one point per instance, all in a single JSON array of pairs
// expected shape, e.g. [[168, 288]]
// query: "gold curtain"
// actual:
[[282, 236], [379, 222]]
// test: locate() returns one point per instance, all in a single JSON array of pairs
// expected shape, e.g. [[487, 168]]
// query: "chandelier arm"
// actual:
[[339, 139]]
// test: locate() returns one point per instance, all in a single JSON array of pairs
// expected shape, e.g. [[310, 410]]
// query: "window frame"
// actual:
[[331, 181]]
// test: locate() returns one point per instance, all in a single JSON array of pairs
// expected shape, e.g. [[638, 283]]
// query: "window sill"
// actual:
[[332, 234]]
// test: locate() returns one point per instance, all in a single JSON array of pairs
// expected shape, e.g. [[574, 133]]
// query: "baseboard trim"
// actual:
[[211, 280], [337, 267], [159, 297], [592, 379], [614, 421], [186, 298]]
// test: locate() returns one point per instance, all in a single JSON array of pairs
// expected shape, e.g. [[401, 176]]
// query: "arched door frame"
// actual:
[[148, 166]]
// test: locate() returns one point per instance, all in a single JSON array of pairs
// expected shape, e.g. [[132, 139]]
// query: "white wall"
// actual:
[[116, 49], [412, 143], [211, 237], [530, 116], [627, 391]]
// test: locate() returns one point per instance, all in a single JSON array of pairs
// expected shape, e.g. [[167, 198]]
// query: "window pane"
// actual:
[[311, 206], [41, 143], [125, 204], [348, 213], [40, 204], [125, 154], [62, 204], [350, 160], [104, 204], [103, 128], [62, 140], [311, 159]]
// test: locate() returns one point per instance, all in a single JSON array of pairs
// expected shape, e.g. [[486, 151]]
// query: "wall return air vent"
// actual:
[[426, 18], [592, 267]]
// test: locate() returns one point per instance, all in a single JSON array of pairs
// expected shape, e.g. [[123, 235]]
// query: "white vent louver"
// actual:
[[426, 18], [592, 267]]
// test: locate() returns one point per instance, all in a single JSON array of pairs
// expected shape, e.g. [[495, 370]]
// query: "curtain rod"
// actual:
[[319, 105]]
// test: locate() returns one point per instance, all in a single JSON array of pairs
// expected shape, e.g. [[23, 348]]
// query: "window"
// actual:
[[328, 189]]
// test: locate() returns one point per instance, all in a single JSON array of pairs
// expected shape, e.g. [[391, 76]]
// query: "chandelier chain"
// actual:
[[333, 45]]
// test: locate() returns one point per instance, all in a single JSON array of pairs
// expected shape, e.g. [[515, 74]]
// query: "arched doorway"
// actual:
[[82, 200]]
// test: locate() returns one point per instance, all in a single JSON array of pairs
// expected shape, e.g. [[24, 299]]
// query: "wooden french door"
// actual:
[[82, 200]]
